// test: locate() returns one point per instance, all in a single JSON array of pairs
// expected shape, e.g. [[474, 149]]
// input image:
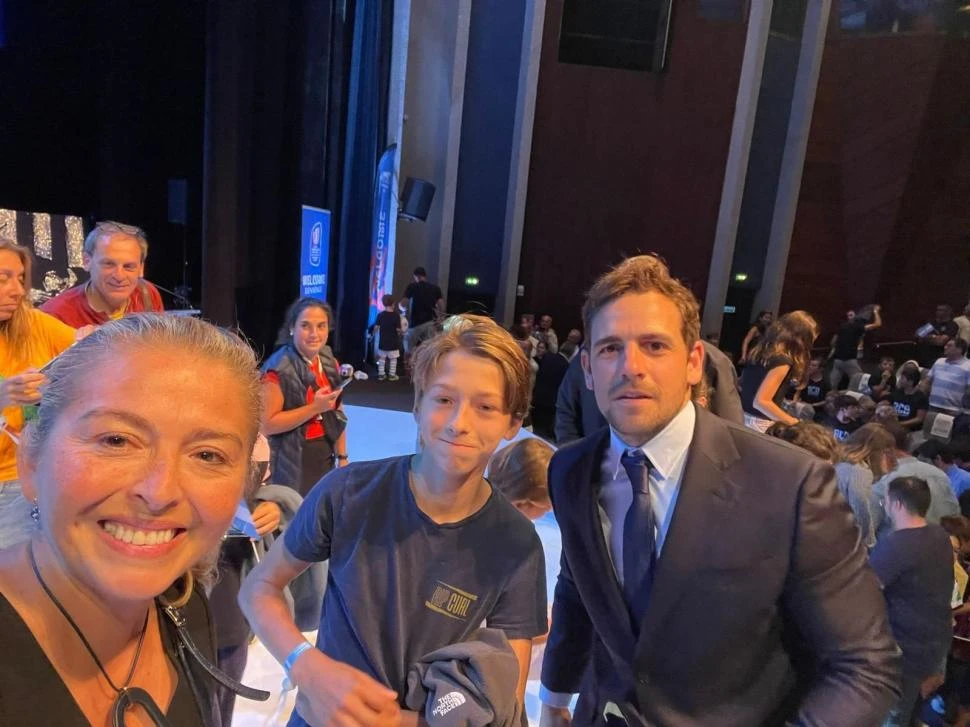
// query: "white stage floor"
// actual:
[[375, 434]]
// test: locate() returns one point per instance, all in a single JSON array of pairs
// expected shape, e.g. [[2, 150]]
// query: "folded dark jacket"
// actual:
[[469, 684]]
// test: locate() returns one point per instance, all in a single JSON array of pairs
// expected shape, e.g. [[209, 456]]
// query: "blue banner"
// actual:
[[382, 249], [314, 252]]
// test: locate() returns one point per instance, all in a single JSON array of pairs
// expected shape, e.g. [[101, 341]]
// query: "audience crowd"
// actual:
[[148, 465]]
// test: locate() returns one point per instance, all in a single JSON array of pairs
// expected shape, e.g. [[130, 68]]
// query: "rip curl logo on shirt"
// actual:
[[450, 601], [445, 704]]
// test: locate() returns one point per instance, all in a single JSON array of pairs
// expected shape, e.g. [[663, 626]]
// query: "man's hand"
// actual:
[[325, 401], [554, 717], [266, 517], [332, 693], [22, 389]]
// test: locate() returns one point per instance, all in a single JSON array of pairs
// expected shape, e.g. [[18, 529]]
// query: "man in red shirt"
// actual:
[[115, 255]]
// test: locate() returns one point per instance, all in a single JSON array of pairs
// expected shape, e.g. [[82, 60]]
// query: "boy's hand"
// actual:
[[332, 693], [266, 517]]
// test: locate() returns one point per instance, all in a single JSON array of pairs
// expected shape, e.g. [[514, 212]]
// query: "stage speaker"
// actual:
[[178, 194], [416, 199]]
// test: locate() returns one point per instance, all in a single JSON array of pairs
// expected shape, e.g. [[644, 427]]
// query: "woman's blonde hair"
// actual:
[[66, 375], [17, 329], [483, 337], [520, 470], [869, 445]]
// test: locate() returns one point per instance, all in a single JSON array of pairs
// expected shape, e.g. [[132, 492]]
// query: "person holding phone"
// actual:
[[302, 414], [28, 340]]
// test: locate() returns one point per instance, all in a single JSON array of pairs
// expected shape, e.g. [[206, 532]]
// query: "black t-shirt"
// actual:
[[401, 585], [906, 405], [915, 567], [753, 375], [887, 387], [840, 430], [423, 296], [815, 391], [847, 339], [388, 327]]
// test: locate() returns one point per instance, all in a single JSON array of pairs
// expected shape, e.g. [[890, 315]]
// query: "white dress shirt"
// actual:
[[667, 452]]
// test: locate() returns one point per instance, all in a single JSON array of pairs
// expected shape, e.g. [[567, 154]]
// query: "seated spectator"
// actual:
[[134, 465], [915, 565], [847, 417], [909, 401], [780, 357], [943, 502], [846, 342], [518, 471], [949, 456], [545, 333], [421, 550], [114, 255], [948, 381], [885, 413], [883, 382], [931, 337], [866, 456], [816, 385]]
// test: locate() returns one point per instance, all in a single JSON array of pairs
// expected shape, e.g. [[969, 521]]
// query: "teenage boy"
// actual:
[[421, 550], [910, 403]]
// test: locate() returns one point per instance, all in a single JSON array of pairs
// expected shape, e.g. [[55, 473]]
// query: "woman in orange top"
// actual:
[[28, 340]]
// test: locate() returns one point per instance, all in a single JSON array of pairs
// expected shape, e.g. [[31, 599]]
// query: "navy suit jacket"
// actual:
[[763, 610]]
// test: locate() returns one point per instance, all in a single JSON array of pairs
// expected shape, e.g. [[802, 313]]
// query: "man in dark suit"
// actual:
[[552, 370], [710, 575]]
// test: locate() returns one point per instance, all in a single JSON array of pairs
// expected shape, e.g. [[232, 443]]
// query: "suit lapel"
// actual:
[[607, 610], [705, 490]]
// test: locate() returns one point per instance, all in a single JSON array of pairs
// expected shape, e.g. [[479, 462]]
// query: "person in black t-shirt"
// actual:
[[915, 565], [845, 344], [816, 387], [910, 403], [388, 329], [846, 419], [781, 356], [883, 383], [932, 337], [425, 303]]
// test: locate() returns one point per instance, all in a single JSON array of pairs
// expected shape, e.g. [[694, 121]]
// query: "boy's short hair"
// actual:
[[912, 493], [911, 373], [643, 274], [887, 358], [483, 337], [845, 401], [387, 299], [520, 470], [809, 436]]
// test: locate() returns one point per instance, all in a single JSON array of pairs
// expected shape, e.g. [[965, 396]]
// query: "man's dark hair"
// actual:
[[421, 272], [911, 373], [930, 449], [518, 332], [912, 493], [567, 349], [844, 401]]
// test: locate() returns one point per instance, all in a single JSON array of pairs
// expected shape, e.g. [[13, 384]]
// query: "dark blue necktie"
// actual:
[[638, 537]]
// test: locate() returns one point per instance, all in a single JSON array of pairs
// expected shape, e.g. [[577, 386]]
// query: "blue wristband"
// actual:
[[291, 659]]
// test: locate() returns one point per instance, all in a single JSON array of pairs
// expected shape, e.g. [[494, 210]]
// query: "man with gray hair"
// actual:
[[114, 254]]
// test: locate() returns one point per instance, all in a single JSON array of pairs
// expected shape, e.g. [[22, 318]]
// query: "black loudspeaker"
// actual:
[[178, 194], [416, 199]]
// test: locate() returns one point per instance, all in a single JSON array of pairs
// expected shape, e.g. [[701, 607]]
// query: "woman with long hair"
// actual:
[[780, 357], [28, 340], [134, 465], [757, 330], [302, 416], [867, 455]]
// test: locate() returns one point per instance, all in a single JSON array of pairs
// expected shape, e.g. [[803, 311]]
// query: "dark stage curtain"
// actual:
[[295, 105]]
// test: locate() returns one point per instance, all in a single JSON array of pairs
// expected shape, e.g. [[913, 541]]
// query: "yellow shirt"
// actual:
[[51, 337]]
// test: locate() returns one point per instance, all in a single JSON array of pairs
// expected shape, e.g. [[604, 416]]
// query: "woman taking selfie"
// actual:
[[28, 340], [133, 479], [302, 416]]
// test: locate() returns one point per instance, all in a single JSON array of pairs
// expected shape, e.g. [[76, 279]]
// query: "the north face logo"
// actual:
[[447, 703]]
